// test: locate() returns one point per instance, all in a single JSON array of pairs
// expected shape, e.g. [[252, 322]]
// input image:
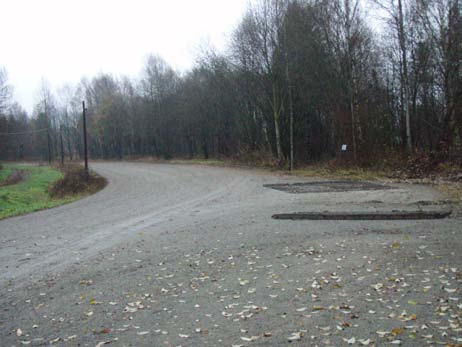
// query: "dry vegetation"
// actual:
[[75, 182], [444, 174]]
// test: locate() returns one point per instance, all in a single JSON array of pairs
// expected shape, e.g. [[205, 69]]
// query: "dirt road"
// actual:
[[171, 255]]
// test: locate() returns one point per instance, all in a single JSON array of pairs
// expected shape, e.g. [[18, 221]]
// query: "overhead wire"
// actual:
[[25, 132]]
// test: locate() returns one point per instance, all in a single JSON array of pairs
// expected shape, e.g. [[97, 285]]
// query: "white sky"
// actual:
[[63, 40]]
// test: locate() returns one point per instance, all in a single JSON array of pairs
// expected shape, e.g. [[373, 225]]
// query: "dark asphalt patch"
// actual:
[[394, 215], [326, 186]]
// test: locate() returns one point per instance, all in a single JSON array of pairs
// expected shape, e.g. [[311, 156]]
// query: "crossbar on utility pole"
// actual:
[[85, 149]]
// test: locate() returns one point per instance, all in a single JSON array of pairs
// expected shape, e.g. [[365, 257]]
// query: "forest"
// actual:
[[299, 79]]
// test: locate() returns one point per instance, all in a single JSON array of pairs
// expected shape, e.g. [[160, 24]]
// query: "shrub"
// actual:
[[75, 181]]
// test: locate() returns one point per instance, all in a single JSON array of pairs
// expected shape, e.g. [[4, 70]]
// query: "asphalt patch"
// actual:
[[326, 186], [394, 215]]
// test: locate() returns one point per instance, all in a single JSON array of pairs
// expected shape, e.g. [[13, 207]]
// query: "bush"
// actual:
[[75, 181]]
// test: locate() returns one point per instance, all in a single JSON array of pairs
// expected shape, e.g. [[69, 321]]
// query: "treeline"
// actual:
[[302, 77]]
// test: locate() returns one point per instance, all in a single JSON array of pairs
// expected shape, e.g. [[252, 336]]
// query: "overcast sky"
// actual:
[[63, 40]]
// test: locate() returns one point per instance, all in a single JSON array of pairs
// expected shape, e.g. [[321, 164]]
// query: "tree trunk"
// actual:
[[280, 155], [404, 75]]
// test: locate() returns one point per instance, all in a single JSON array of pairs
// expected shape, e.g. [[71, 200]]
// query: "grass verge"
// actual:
[[5, 172], [30, 194], [34, 192]]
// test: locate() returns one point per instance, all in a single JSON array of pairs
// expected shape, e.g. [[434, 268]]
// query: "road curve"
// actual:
[[170, 255], [141, 195], [138, 195]]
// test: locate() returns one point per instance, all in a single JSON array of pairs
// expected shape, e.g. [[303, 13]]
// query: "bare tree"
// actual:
[[442, 21], [398, 22], [5, 91], [257, 44]]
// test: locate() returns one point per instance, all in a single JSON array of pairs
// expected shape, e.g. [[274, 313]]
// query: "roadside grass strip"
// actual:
[[30, 194]]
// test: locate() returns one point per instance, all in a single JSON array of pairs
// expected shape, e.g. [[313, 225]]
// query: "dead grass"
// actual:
[[341, 173], [451, 191], [197, 161], [75, 182], [259, 159]]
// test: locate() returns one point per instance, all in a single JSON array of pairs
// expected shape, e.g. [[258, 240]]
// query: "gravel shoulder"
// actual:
[[173, 255]]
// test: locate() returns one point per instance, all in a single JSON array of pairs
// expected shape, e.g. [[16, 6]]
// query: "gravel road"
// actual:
[[183, 255]]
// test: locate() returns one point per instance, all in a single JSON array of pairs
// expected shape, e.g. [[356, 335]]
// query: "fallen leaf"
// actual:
[[397, 331], [350, 341], [295, 336], [104, 331], [365, 342], [449, 290], [86, 282]]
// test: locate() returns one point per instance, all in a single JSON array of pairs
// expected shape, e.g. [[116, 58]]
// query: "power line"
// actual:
[[26, 132]]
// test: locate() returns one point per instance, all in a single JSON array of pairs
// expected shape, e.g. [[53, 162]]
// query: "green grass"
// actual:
[[32, 193], [5, 172]]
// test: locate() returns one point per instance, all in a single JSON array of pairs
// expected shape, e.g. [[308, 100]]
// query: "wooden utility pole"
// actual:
[[85, 150], [291, 119], [62, 145], [291, 106], [404, 75], [49, 146], [48, 133]]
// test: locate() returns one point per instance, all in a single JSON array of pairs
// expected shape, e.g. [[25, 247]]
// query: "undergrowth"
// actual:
[[75, 181]]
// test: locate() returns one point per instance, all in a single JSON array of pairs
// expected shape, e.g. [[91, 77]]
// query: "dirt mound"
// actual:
[[75, 181]]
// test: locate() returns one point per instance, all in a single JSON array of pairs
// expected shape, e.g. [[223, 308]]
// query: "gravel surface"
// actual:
[[171, 255]]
